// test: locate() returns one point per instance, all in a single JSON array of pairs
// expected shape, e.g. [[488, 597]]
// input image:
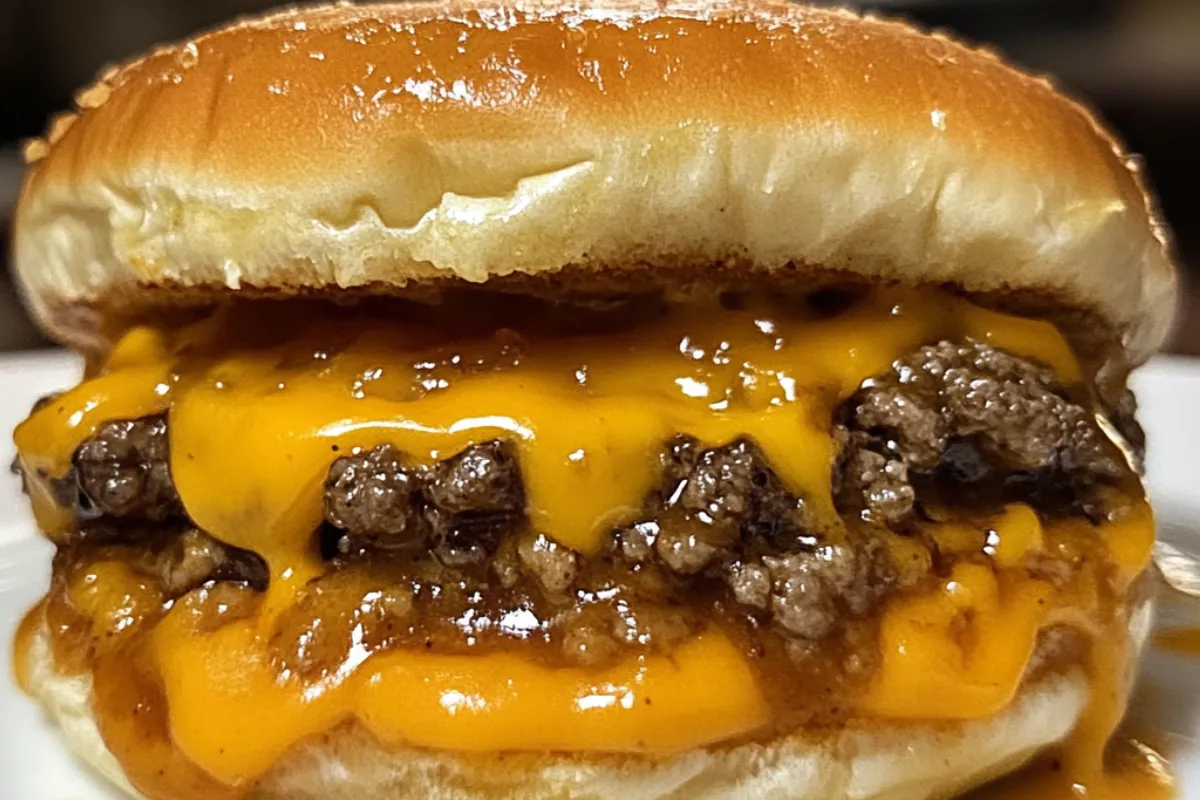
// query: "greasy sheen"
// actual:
[[279, 391]]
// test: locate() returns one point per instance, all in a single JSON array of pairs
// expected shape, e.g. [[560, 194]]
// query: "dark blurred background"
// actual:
[[1136, 61]]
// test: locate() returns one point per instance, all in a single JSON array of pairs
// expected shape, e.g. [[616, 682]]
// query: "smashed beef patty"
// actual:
[[968, 416], [719, 528]]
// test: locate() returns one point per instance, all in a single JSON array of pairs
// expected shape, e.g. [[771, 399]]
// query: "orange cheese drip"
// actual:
[[1184, 641], [231, 713], [1138, 773], [960, 652]]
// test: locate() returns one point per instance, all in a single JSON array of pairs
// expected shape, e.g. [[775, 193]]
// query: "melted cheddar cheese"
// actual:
[[223, 689], [261, 403]]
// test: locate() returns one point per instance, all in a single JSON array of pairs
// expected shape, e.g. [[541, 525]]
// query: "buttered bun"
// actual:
[[373, 148], [905, 762]]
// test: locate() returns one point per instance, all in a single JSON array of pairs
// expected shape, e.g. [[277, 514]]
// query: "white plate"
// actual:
[[33, 766]]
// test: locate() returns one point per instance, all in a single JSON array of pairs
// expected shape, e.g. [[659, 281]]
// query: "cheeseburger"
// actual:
[[621, 400]]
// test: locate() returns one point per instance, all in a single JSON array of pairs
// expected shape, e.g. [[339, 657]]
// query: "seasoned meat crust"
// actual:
[[970, 415], [375, 496], [451, 549], [123, 471], [457, 509]]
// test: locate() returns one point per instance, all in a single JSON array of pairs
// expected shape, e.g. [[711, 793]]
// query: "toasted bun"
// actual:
[[373, 148], [909, 762]]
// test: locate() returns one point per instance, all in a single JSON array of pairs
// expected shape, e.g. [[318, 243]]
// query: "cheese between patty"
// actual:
[[254, 427]]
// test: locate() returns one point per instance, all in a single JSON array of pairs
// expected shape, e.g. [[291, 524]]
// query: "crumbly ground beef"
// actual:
[[722, 515], [459, 509], [878, 480], [811, 591], [975, 416], [449, 553], [637, 614], [483, 479], [554, 566], [376, 498], [122, 470], [732, 491], [751, 583]]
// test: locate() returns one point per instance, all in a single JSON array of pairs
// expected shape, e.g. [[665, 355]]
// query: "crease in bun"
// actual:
[[912, 761], [386, 147]]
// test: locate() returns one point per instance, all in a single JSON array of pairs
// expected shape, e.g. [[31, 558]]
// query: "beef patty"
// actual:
[[953, 424]]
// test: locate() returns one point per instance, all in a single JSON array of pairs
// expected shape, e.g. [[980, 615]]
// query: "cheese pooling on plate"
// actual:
[[641, 526]]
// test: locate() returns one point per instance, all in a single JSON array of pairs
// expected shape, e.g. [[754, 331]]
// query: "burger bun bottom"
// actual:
[[913, 761]]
